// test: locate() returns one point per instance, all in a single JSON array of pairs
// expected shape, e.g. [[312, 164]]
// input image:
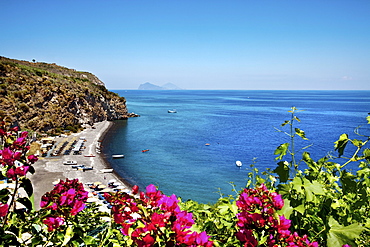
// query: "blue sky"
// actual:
[[248, 45]]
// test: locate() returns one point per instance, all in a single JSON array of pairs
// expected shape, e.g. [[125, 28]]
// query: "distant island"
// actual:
[[150, 86]]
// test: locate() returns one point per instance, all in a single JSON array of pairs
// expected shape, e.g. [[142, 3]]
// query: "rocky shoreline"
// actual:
[[49, 170]]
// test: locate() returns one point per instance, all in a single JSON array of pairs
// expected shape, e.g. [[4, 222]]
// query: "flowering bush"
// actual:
[[323, 204], [65, 200], [154, 217], [14, 165], [258, 221]]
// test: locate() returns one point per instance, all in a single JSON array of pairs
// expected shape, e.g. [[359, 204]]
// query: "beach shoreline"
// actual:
[[49, 170]]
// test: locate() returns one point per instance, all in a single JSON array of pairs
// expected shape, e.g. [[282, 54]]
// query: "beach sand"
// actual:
[[49, 170]]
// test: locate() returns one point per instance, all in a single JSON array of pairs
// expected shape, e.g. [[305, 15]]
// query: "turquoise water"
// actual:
[[238, 125]]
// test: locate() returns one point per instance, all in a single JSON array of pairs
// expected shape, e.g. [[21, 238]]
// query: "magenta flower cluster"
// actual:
[[65, 200], [258, 216], [155, 217], [12, 156], [13, 159]]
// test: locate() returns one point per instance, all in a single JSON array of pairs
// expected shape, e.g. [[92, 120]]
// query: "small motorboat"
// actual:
[[70, 162], [89, 155], [78, 167], [172, 111], [145, 150], [118, 156], [238, 163], [107, 171], [87, 168]]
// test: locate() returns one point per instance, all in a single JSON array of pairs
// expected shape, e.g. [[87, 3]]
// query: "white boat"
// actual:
[[172, 111], [238, 163], [118, 156], [106, 171], [70, 162]]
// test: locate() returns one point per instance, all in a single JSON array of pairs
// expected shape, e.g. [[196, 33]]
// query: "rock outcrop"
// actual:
[[50, 98]]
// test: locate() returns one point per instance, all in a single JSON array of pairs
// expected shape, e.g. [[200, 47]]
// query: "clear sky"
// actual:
[[197, 44]]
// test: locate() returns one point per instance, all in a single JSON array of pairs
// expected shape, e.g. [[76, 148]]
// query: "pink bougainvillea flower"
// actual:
[[135, 189], [32, 158], [3, 209], [17, 155], [66, 199], [77, 207], [202, 238], [24, 134], [247, 238], [156, 212], [7, 157], [21, 141], [277, 201], [15, 128], [53, 223], [2, 132], [21, 170]]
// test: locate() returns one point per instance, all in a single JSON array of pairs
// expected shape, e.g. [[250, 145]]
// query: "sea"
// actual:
[[192, 152]]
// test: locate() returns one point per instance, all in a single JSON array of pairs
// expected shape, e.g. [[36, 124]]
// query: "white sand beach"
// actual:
[[51, 169]]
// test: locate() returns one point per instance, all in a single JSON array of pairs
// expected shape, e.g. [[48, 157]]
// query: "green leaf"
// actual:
[[315, 187], [4, 195], [26, 202], [340, 145], [27, 185], [286, 210], [357, 143], [285, 123], [297, 185], [68, 235], [281, 151], [89, 240], [284, 189], [300, 133], [224, 208], [300, 209], [283, 171], [339, 235], [296, 118], [366, 154]]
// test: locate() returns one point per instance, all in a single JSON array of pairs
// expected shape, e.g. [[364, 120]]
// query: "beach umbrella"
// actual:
[[97, 183], [121, 187], [105, 190], [92, 199], [101, 186], [117, 184], [56, 182], [112, 181]]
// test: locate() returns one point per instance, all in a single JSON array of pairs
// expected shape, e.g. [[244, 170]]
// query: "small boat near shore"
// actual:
[[238, 163], [89, 155], [172, 111], [70, 162], [118, 156], [106, 170], [145, 150]]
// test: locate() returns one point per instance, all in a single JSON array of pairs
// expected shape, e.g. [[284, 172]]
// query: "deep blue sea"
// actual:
[[238, 125]]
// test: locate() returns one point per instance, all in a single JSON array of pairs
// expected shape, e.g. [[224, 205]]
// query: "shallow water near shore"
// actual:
[[237, 125]]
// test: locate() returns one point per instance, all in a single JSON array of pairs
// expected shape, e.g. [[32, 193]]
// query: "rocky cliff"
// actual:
[[51, 98]]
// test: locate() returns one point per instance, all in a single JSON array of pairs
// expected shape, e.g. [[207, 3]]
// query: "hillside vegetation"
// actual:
[[50, 98]]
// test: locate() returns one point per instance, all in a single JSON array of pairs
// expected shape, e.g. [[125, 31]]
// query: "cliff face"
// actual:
[[50, 98]]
